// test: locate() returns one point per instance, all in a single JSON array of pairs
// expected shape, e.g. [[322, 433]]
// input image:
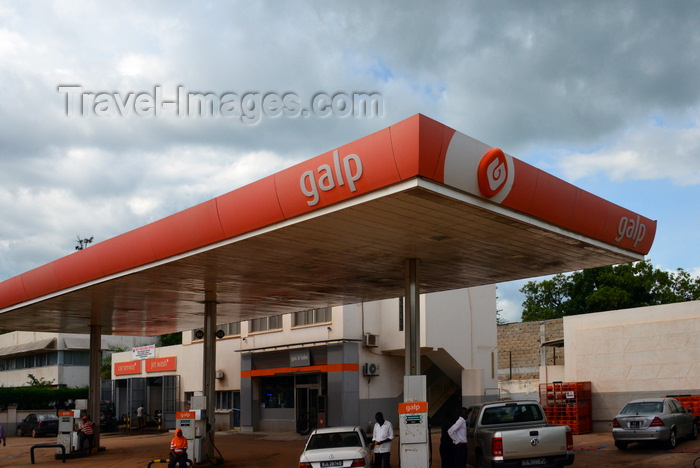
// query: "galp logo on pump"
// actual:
[[326, 178]]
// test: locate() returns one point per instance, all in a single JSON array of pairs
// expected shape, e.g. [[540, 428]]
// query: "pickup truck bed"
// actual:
[[516, 434]]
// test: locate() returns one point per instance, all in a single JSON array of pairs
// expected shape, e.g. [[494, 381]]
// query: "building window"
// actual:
[[229, 329], [266, 323], [76, 358], [224, 400], [277, 392], [312, 316]]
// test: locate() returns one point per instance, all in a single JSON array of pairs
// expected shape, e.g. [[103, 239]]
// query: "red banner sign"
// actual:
[[127, 368], [413, 407], [161, 364]]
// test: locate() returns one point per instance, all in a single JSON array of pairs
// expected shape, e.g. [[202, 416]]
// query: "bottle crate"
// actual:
[[568, 403]]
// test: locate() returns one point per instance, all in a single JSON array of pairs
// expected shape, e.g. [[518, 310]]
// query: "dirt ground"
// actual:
[[282, 450]]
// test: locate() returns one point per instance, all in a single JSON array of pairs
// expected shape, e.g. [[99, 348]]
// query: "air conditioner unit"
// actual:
[[370, 368], [371, 340]]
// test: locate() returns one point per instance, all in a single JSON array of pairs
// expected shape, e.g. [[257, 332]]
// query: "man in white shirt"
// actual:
[[382, 436], [458, 434]]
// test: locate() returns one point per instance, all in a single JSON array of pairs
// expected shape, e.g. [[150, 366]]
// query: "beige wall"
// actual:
[[634, 353]]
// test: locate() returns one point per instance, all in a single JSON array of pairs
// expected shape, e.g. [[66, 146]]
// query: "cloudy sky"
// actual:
[[605, 95]]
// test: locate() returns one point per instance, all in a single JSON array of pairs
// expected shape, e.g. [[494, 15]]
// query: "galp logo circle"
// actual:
[[494, 173]]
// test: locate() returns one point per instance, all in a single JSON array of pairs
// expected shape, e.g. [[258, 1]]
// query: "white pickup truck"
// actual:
[[509, 434]]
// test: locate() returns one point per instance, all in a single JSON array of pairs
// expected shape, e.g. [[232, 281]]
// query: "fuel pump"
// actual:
[[413, 424], [67, 435], [193, 425]]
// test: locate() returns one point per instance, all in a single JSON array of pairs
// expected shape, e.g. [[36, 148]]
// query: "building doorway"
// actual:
[[310, 402]]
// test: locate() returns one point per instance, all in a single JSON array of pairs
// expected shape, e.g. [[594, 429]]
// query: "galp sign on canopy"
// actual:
[[631, 229], [327, 178]]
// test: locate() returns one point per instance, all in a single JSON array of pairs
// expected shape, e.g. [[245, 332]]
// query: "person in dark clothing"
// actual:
[[447, 450]]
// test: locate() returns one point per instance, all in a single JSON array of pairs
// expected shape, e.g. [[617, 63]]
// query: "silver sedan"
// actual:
[[653, 419]]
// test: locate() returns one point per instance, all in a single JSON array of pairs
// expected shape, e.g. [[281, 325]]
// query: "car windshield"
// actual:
[[337, 439], [643, 407], [511, 413]]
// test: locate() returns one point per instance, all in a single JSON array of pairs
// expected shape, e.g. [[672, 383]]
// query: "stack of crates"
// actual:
[[568, 403], [690, 402]]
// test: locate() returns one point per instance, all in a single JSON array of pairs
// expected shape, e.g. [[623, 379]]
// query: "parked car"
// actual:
[[654, 419], [38, 424], [342, 446], [516, 433]]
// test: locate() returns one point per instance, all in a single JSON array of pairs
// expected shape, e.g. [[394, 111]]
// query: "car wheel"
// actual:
[[19, 432], [671, 443], [35, 433], [621, 445], [694, 432]]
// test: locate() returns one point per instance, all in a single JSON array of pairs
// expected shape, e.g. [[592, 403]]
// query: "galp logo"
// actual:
[[326, 178], [493, 173], [631, 229]]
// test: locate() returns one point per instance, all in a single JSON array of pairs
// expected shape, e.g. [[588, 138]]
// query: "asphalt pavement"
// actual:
[[282, 450]]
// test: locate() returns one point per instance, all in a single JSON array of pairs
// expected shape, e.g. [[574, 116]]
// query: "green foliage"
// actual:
[[607, 288], [40, 382], [170, 339], [38, 398], [106, 365]]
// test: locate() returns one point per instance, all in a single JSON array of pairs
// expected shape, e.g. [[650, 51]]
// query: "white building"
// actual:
[[59, 358], [333, 366]]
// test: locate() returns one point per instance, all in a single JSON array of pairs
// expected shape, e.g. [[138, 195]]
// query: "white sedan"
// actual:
[[344, 446]]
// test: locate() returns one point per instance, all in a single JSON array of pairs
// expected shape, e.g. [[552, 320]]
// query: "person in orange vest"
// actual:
[[87, 433], [178, 450]]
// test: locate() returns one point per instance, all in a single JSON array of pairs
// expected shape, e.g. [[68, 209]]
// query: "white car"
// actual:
[[343, 446]]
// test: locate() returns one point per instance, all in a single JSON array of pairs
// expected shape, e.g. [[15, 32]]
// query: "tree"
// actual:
[[106, 367], [170, 339], [622, 286]]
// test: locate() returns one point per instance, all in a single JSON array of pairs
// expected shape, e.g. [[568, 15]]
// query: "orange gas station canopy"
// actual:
[[335, 229]]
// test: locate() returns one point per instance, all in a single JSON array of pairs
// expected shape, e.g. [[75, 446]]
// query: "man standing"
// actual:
[[178, 450], [87, 433], [458, 434], [140, 419], [382, 436]]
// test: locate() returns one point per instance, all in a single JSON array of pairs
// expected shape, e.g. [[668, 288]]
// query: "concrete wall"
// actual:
[[521, 357], [634, 353]]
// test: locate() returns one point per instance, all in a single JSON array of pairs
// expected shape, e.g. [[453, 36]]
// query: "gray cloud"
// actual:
[[586, 83]]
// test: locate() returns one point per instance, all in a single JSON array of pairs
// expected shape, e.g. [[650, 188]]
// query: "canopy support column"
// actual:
[[209, 376], [95, 380], [412, 318]]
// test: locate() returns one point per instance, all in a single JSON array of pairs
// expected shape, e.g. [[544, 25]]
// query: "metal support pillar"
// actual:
[[209, 376], [412, 318], [95, 379]]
